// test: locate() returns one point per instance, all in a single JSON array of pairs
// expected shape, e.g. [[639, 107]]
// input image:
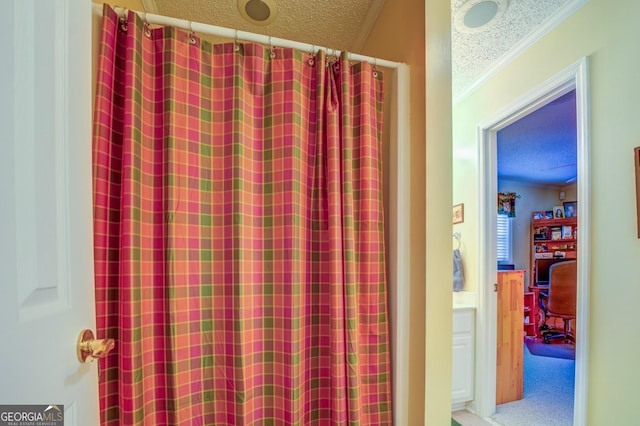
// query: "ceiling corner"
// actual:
[[150, 6], [367, 24]]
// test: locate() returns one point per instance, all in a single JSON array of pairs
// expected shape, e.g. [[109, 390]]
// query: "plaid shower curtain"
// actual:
[[239, 247]]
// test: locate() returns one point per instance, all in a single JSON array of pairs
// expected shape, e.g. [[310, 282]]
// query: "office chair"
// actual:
[[561, 300]]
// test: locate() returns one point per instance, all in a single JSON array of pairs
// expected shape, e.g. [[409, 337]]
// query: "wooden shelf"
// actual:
[[529, 314], [545, 251]]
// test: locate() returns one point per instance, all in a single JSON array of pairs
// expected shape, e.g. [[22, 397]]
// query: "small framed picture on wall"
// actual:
[[458, 213]]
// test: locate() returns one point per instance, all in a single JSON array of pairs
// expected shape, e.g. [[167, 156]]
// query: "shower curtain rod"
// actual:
[[242, 35]]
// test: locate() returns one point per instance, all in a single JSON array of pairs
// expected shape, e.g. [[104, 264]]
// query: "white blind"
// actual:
[[504, 239]]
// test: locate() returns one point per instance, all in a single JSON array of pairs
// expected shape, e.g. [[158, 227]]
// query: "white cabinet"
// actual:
[[463, 356]]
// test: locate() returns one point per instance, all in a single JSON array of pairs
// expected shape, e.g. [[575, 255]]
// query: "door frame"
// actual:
[[573, 77]]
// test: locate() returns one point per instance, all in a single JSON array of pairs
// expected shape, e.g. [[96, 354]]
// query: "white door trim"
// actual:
[[574, 77]]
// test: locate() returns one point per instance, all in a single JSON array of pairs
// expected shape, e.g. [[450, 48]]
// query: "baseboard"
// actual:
[[458, 406]]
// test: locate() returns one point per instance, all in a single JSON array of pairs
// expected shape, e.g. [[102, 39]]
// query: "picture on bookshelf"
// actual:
[[570, 209], [541, 233], [537, 215], [548, 214], [556, 232], [558, 212], [541, 248], [567, 232]]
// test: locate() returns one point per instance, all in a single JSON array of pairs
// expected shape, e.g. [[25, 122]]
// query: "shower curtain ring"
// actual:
[[312, 57], [236, 45], [124, 20], [192, 34], [335, 60], [147, 28], [272, 52], [375, 67]]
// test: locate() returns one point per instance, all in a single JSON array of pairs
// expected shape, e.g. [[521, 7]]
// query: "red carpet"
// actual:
[[556, 349]]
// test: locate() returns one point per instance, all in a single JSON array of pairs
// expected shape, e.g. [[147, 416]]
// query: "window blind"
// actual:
[[504, 239]]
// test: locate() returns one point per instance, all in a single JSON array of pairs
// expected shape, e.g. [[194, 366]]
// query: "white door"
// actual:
[[46, 254]]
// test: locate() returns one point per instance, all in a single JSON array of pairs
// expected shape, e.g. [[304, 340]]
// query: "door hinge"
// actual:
[[495, 287]]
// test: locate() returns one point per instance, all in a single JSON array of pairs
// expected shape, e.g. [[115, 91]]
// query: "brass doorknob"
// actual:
[[89, 348]]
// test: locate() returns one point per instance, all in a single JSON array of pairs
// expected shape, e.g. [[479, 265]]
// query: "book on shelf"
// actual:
[[548, 255]]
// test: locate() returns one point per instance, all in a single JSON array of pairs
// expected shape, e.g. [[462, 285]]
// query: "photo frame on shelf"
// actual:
[[548, 214], [537, 215], [558, 212], [570, 209], [458, 213], [541, 248], [567, 232], [541, 233]]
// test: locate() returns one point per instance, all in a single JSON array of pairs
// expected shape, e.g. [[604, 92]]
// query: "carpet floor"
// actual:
[[555, 349], [548, 394]]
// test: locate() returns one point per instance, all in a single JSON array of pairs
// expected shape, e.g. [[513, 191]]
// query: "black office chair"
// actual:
[[560, 300]]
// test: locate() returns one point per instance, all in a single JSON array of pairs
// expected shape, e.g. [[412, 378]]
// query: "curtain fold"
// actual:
[[239, 233]]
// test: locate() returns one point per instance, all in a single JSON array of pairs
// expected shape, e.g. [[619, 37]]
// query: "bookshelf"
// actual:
[[551, 239]]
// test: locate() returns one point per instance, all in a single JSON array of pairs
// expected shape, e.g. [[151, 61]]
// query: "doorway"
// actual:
[[573, 78], [537, 170]]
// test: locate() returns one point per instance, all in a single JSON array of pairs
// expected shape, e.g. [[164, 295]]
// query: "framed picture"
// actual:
[[541, 248], [458, 213], [567, 232], [558, 212], [541, 233], [537, 215], [548, 214], [570, 209]]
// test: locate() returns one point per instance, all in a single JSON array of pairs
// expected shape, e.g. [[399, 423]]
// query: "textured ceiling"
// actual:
[[345, 25], [474, 53], [541, 148], [341, 25]]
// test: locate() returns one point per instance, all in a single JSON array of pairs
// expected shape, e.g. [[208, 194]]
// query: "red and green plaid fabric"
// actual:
[[239, 233]]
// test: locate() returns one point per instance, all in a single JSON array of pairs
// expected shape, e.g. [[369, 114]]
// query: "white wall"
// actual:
[[606, 32]]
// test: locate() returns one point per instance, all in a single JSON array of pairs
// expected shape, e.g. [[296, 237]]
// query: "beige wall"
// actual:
[[607, 33], [399, 35]]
